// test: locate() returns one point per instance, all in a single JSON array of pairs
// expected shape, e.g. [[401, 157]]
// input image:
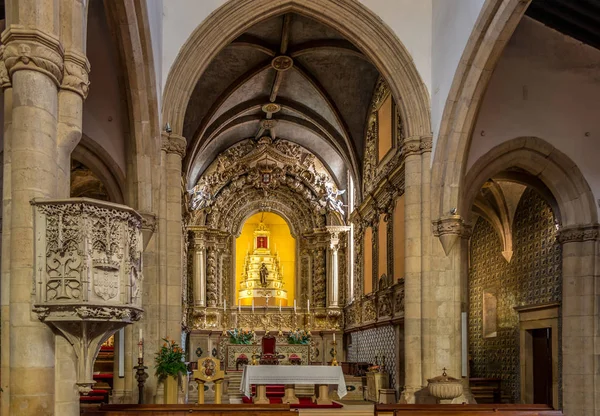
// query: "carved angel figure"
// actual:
[[333, 203], [201, 197]]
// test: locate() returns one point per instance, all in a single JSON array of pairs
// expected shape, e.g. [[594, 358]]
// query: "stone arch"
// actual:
[[497, 21], [102, 165], [130, 26], [353, 20], [543, 161]]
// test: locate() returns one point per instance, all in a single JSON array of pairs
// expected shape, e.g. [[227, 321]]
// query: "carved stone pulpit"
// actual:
[[209, 369]]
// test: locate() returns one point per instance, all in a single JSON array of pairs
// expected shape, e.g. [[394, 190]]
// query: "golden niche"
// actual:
[[262, 273]]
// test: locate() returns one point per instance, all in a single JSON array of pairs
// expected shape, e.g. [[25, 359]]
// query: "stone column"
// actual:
[[334, 280], [33, 59], [174, 148], [199, 276], [6, 215], [580, 319], [447, 299], [412, 275]]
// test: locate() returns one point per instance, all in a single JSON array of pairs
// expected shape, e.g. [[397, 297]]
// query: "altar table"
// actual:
[[319, 375]]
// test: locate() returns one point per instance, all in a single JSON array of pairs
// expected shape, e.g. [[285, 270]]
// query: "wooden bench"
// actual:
[[486, 390], [466, 409], [200, 410]]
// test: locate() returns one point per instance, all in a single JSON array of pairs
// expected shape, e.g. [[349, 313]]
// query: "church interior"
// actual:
[[259, 207]]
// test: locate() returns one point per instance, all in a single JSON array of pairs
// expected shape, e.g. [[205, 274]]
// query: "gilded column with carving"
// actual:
[[334, 280], [211, 277], [199, 275]]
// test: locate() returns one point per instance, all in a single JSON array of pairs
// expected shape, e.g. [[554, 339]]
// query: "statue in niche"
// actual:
[[264, 274]]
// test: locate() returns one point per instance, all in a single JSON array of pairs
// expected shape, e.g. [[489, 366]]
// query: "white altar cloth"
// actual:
[[292, 374]]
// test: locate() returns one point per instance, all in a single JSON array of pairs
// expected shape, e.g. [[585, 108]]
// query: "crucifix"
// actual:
[[267, 295]]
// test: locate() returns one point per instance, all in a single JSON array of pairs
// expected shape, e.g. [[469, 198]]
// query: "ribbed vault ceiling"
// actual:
[[288, 77]]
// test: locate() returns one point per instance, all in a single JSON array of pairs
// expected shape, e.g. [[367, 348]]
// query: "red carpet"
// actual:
[[305, 403]]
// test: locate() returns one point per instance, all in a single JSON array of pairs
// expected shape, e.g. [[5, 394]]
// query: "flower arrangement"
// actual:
[[169, 360], [240, 336], [299, 336]]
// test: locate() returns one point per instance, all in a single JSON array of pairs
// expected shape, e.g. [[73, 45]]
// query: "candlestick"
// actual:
[[141, 376], [334, 362]]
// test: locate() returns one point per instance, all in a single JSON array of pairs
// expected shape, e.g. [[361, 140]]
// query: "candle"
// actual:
[[334, 337], [252, 305], [224, 305], [141, 346], [279, 305], [308, 306], [294, 305], [239, 305]]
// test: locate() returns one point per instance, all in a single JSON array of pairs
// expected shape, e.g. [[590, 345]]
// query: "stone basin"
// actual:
[[445, 388]]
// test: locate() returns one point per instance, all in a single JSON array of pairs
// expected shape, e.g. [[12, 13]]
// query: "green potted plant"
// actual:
[[169, 368], [299, 336], [240, 336]]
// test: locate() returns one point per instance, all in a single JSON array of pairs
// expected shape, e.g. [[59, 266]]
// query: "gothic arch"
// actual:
[[129, 23], [497, 21], [102, 165], [541, 160], [349, 17]]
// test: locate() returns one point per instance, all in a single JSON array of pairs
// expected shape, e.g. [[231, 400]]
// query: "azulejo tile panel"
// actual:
[[534, 276]]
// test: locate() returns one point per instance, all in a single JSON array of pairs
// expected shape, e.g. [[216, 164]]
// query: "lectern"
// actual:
[[209, 369]]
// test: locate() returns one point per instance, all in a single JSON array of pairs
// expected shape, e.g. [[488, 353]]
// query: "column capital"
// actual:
[[448, 229], [76, 74], [416, 145], [174, 143], [578, 233], [34, 50], [335, 231]]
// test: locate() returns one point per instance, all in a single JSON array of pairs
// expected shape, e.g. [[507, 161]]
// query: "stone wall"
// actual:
[[533, 276]]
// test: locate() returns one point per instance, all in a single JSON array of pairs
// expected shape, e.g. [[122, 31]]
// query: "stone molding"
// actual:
[[31, 49], [75, 75], [4, 77], [416, 145], [448, 229], [577, 234], [173, 143]]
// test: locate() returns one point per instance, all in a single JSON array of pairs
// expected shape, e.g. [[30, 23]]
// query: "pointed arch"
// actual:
[[353, 20]]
